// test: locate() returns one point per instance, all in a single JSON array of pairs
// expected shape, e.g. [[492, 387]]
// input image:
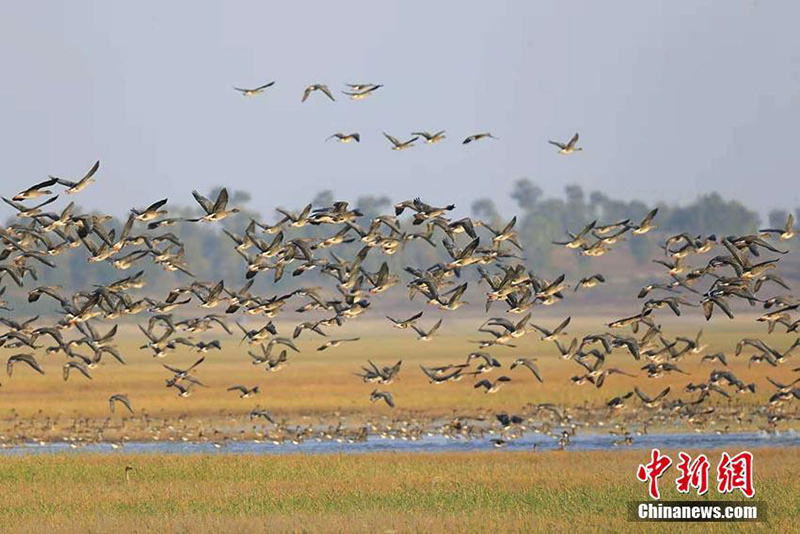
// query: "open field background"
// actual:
[[484, 492], [318, 384]]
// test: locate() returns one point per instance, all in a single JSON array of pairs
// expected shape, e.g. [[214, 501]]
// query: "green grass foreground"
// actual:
[[495, 491]]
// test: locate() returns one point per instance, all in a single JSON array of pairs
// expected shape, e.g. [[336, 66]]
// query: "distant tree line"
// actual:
[[542, 220], [210, 253]]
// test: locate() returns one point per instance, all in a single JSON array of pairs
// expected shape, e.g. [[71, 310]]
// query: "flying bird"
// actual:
[[119, 398], [317, 87], [254, 91], [244, 391], [477, 137], [431, 138], [345, 138], [363, 92], [400, 145], [568, 147], [385, 396], [80, 185], [215, 211]]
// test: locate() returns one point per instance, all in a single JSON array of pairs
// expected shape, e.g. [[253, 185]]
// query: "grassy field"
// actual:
[[494, 491], [315, 383]]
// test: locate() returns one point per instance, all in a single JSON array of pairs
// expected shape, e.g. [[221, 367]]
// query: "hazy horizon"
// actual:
[[671, 100]]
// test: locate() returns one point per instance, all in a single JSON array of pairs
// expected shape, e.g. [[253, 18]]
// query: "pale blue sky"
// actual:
[[672, 98]]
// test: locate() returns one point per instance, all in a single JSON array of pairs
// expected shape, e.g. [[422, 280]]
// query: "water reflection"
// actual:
[[585, 442]]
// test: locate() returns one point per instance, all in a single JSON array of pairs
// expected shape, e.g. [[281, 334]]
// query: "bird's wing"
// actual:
[[222, 201], [572, 141], [205, 203], [324, 89]]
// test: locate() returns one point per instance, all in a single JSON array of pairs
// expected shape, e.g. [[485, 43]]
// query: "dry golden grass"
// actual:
[[476, 492], [316, 383], [487, 491]]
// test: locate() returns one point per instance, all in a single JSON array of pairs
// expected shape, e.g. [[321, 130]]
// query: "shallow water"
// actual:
[[585, 442]]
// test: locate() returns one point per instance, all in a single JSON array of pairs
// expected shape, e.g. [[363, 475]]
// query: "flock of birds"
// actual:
[[742, 269], [360, 91]]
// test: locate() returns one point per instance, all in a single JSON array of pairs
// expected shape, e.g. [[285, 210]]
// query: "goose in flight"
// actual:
[[360, 86], [632, 321], [477, 137], [552, 335], [313, 327], [364, 92], [784, 234], [507, 233], [215, 211], [650, 402], [36, 191], [153, 211], [79, 366], [263, 414], [513, 330], [695, 346], [4, 303], [58, 222], [296, 220], [119, 398], [568, 147], [183, 391], [80, 185], [385, 396], [783, 388], [333, 343], [244, 391], [203, 346], [213, 296], [426, 336], [317, 87], [345, 138], [183, 373], [405, 323], [674, 303], [647, 223], [488, 360], [577, 240], [708, 304], [385, 375], [382, 280], [439, 378], [398, 145], [568, 351], [492, 387], [617, 403], [590, 281], [720, 356], [257, 335], [464, 257], [431, 138], [425, 210], [656, 370], [509, 420], [255, 91], [529, 363], [25, 211], [24, 358]]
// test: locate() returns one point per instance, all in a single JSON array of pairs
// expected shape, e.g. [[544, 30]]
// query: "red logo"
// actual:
[[694, 473], [736, 473], [733, 472], [652, 471]]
